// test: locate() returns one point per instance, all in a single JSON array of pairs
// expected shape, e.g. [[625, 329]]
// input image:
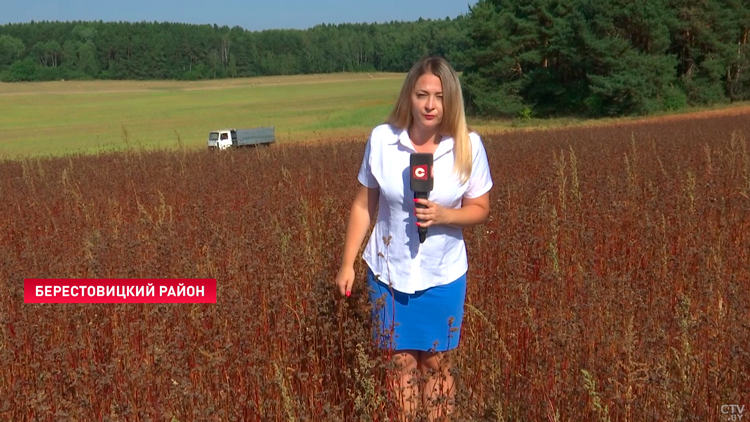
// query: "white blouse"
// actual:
[[393, 251]]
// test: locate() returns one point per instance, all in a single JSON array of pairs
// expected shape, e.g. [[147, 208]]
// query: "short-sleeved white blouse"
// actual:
[[393, 251]]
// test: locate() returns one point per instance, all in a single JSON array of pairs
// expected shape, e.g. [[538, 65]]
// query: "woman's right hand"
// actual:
[[345, 280]]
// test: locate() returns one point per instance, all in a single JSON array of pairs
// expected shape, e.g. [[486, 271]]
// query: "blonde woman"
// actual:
[[420, 287]]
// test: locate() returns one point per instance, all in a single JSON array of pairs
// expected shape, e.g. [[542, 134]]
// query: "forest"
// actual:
[[537, 58]]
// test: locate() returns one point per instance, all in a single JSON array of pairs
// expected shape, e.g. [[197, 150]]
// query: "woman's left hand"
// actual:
[[433, 214]]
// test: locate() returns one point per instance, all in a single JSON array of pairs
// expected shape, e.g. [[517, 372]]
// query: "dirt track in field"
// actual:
[[737, 110], [111, 87], [733, 111]]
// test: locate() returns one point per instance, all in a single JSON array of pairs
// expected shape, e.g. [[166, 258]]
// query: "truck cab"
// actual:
[[221, 139], [225, 138]]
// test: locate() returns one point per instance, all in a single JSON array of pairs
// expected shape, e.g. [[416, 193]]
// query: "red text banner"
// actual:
[[176, 290]]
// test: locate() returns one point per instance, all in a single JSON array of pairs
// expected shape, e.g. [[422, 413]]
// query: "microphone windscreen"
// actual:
[[420, 164]]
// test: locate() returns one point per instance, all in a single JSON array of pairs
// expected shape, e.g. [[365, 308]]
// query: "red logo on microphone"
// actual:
[[419, 172]]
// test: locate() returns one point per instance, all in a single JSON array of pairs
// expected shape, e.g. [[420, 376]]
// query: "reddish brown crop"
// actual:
[[610, 283]]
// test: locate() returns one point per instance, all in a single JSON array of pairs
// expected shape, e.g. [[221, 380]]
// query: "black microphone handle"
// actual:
[[422, 230]]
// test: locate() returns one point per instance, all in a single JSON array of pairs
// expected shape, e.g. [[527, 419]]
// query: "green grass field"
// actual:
[[56, 118], [66, 117]]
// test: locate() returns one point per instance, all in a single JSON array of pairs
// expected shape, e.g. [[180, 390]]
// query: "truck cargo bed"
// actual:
[[261, 135]]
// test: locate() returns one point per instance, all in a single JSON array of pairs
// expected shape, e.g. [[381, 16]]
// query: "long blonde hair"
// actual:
[[454, 117]]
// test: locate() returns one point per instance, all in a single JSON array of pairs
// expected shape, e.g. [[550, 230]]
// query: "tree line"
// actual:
[[534, 58], [124, 50]]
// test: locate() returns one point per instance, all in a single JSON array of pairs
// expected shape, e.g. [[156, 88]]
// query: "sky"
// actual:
[[253, 15]]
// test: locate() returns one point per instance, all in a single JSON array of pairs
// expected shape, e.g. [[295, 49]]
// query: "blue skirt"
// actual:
[[429, 320]]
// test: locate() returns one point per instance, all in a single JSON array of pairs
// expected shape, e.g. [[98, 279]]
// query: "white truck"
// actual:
[[225, 138]]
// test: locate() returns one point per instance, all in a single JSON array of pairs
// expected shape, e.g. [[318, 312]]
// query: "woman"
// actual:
[[421, 286]]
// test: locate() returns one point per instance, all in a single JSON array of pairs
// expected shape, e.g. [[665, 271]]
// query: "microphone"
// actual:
[[420, 164]]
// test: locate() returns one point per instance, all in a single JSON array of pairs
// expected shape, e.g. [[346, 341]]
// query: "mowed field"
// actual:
[[609, 284], [64, 117]]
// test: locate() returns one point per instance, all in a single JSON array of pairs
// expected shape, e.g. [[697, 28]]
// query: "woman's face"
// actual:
[[427, 101]]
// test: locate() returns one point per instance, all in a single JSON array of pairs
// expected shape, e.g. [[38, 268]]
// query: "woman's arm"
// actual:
[[473, 211], [360, 216]]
